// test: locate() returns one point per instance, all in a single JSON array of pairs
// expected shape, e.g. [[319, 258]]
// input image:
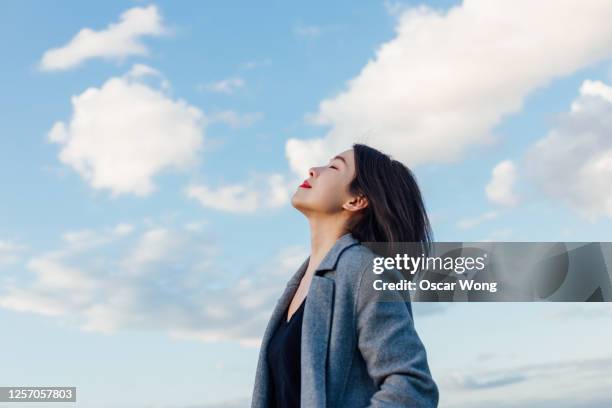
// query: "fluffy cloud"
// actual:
[[142, 70], [158, 277], [573, 163], [117, 41], [447, 78], [122, 134], [123, 229], [261, 192], [500, 189]]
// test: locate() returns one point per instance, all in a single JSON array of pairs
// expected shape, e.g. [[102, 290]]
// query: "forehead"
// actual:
[[348, 156]]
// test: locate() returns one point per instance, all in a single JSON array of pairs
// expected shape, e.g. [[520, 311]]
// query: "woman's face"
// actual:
[[326, 190]]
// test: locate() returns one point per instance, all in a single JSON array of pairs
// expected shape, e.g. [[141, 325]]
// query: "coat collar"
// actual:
[[328, 262], [316, 326]]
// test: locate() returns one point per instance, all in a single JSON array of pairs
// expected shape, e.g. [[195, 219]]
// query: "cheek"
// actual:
[[327, 197], [330, 196]]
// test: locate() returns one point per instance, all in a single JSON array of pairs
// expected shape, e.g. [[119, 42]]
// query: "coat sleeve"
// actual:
[[395, 357]]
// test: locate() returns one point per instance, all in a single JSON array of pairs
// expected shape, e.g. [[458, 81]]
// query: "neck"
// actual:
[[323, 235]]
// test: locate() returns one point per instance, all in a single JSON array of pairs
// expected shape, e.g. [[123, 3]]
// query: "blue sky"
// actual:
[[146, 165]]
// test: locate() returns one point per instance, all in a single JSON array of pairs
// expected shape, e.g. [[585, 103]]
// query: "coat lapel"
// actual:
[[262, 389], [283, 302], [316, 328]]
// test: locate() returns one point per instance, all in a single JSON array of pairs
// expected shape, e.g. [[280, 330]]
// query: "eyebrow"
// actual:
[[339, 158]]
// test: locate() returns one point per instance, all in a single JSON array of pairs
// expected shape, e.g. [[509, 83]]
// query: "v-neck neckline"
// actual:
[[294, 313]]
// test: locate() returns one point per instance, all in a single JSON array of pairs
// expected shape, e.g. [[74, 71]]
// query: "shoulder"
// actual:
[[354, 262], [355, 271]]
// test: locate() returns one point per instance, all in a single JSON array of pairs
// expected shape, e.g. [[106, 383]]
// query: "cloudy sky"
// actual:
[[148, 152]]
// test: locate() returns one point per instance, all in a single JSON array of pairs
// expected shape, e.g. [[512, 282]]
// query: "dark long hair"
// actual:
[[395, 211]]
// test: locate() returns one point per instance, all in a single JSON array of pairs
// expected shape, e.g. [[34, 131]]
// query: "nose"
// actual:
[[312, 171]]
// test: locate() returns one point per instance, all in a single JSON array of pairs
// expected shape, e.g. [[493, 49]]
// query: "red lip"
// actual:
[[305, 184]]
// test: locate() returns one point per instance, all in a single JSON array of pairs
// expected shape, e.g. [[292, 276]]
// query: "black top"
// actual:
[[284, 360]]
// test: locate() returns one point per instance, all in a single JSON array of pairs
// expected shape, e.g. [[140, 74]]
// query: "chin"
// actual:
[[295, 201], [298, 203]]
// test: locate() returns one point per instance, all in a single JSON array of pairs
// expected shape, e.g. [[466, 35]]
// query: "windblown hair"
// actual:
[[395, 211]]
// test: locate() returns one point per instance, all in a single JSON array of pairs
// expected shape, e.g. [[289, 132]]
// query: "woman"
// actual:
[[329, 342]]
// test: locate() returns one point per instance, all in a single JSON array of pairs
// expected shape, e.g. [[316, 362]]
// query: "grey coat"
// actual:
[[356, 351]]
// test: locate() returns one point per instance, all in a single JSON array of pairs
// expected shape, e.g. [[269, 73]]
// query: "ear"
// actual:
[[357, 203]]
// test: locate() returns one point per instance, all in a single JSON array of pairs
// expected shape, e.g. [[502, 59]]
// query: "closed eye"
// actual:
[[333, 167]]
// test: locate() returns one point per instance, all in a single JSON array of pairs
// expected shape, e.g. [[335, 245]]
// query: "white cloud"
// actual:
[[226, 86], [125, 132], [163, 278], [83, 239], [261, 192], [155, 245], [123, 229], [195, 226], [500, 189], [53, 274], [573, 163], [21, 300], [117, 41], [142, 70], [448, 78]]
